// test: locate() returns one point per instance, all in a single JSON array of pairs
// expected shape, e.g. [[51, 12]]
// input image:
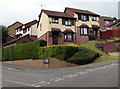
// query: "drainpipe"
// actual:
[[75, 32]]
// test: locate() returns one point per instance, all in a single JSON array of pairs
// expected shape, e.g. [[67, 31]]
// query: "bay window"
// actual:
[[84, 31], [68, 36]]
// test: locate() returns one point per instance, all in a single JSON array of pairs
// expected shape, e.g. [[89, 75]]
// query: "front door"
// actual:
[[55, 40]]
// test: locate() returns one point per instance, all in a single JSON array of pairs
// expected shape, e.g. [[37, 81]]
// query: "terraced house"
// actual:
[[70, 26], [29, 28]]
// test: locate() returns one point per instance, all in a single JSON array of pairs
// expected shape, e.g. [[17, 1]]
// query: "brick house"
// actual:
[[115, 25], [105, 22], [23, 39], [12, 30], [29, 28], [70, 26], [112, 32]]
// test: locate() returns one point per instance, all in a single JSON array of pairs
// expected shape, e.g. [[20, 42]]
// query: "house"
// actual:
[[70, 26], [115, 25], [86, 24], [12, 30], [105, 22], [112, 32], [29, 28], [23, 39], [56, 27]]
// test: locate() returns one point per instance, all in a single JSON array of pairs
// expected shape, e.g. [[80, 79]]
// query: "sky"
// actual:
[[27, 10]]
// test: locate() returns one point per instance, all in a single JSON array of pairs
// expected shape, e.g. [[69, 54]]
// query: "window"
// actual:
[[68, 22], [83, 17], [24, 30], [106, 22], [84, 31], [54, 20], [94, 18], [68, 37]]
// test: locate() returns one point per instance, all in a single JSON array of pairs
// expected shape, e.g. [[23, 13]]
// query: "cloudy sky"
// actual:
[[28, 10]]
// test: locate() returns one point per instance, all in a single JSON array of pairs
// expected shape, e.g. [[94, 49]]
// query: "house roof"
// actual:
[[107, 18], [14, 24], [116, 23], [81, 11], [14, 40], [29, 24], [56, 14]]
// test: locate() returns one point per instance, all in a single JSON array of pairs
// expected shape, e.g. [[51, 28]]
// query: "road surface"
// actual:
[[99, 76]]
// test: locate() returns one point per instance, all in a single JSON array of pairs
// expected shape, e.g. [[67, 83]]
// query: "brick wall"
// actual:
[[109, 47], [110, 34], [54, 63]]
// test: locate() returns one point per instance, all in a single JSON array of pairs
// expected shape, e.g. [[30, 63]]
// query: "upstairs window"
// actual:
[[83, 17], [107, 22], [84, 31], [54, 20], [67, 22], [94, 18]]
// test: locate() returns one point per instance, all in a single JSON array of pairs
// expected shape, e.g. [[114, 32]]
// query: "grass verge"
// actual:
[[104, 57]]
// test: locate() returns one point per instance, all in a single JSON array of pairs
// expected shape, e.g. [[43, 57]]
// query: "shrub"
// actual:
[[43, 43], [61, 52], [21, 51], [116, 41], [92, 36], [84, 56]]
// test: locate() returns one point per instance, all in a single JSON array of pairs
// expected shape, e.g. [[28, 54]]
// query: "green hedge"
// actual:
[[21, 51], [61, 52], [33, 50], [84, 56], [116, 41], [92, 36]]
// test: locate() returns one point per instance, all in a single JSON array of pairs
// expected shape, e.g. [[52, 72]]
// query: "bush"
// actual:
[[92, 36], [21, 51], [43, 43], [61, 52], [116, 41], [84, 56]]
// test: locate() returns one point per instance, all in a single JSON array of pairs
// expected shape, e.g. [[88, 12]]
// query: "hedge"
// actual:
[[21, 51], [61, 52], [33, 50], [84, 56]]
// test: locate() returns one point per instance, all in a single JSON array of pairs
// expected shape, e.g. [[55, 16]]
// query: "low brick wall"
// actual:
[[109, 47], [54, 63]]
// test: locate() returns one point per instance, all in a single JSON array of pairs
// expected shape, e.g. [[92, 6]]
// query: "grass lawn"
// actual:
[[104, 57], [91, 45]]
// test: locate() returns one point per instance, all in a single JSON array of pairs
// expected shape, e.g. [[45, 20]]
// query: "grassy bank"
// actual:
[[104, 57]]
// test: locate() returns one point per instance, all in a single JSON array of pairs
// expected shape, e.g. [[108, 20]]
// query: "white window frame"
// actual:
[[84, 31]]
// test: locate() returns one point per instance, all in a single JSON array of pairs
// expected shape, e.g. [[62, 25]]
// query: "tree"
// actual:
[[4, 34]]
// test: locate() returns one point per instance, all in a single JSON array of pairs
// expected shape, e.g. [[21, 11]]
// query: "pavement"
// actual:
[[103, 74]]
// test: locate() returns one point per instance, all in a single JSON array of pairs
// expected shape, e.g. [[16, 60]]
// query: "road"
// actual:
[[99, 76]]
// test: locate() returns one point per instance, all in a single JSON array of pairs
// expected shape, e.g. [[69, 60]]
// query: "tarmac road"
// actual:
[[95, 75]]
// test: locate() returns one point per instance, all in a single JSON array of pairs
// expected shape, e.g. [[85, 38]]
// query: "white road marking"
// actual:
[[13, 69], [71, 76], [43, 84], [59, 79], [66, 75], [19, 82], [38, 83], [54, 79]]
